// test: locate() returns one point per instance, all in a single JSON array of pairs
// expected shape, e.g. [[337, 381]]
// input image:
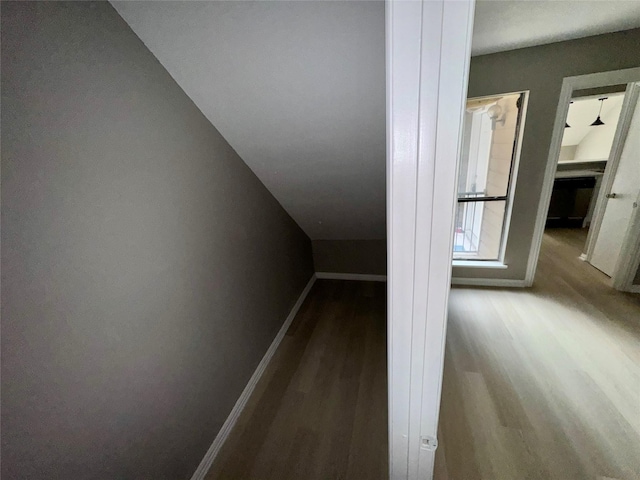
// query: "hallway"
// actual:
[[320, 409], [543, 383]]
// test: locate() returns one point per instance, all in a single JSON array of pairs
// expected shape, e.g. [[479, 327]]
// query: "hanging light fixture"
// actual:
[[597, 121], [566, 125]]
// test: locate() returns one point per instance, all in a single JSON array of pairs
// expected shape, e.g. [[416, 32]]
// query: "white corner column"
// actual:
[[428, 54]]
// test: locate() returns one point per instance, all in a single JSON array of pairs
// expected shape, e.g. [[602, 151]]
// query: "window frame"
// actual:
[[509, 195]]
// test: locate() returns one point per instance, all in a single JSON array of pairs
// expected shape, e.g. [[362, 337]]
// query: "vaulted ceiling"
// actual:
[[298, 88], [582, 113]]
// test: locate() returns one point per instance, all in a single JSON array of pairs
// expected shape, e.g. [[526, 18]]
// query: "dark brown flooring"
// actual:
[[320, 409]]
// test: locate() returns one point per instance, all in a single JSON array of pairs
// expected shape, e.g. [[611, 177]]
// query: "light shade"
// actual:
[[494, 111], [598, 121]]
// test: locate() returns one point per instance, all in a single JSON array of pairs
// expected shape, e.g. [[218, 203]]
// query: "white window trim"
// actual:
[[471, 263], [511, 191], [514, 178]]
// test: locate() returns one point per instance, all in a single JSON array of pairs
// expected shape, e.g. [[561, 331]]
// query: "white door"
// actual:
[[620, 202]]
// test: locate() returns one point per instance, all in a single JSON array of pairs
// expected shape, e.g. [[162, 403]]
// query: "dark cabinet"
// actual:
[[570, 201]]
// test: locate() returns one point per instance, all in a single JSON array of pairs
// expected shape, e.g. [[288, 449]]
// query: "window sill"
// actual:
[[478, 264]]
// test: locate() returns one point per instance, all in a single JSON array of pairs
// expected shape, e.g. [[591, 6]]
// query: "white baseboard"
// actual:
[[488, 282], [352, 276], [215, 447]]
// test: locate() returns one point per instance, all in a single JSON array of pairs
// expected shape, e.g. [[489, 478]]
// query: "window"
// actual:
[[491, 134]]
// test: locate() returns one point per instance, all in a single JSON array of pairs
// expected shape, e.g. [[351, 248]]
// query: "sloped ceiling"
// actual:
[[298, 88], [583, 111]]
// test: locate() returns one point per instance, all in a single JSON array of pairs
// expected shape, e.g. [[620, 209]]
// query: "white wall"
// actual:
[[567, 153], [597, 143]]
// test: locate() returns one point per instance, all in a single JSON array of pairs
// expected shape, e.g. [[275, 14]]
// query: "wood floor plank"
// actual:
[[543, 383], [320, 410], [540, 383]]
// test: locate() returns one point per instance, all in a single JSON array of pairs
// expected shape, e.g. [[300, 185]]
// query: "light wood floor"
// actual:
[[320, 409], [540, 383], [543, 383]]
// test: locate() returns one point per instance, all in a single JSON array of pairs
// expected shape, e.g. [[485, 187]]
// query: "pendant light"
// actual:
[[597, 121]]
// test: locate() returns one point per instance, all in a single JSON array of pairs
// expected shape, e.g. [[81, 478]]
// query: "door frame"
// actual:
[[626, 270], [629, 258], [569, 85], [428, 55], [619, 139]]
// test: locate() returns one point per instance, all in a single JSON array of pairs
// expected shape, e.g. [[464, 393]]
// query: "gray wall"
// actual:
[[145, 269], [350, 256], [540, 70]]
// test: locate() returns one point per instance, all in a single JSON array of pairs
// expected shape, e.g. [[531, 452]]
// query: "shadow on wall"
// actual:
[[145, 269], [350, 256]]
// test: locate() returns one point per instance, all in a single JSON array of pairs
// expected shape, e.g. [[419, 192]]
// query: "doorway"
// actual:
[[610, 244], [593, 154], [586, 146]]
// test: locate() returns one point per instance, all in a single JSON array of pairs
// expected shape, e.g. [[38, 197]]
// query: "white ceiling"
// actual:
[[583, 111], [506, 25], [298, 88]]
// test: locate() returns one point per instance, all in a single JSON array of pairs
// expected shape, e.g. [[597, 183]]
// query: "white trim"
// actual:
[[489, 282], [227, 426], [478, 264], [513, 180], [629, 257], [428, 53], [365, 277], [569, 84], [511, 192], [617, 146]]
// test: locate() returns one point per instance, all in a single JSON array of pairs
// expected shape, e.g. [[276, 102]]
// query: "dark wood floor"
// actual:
[[320, 409]]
